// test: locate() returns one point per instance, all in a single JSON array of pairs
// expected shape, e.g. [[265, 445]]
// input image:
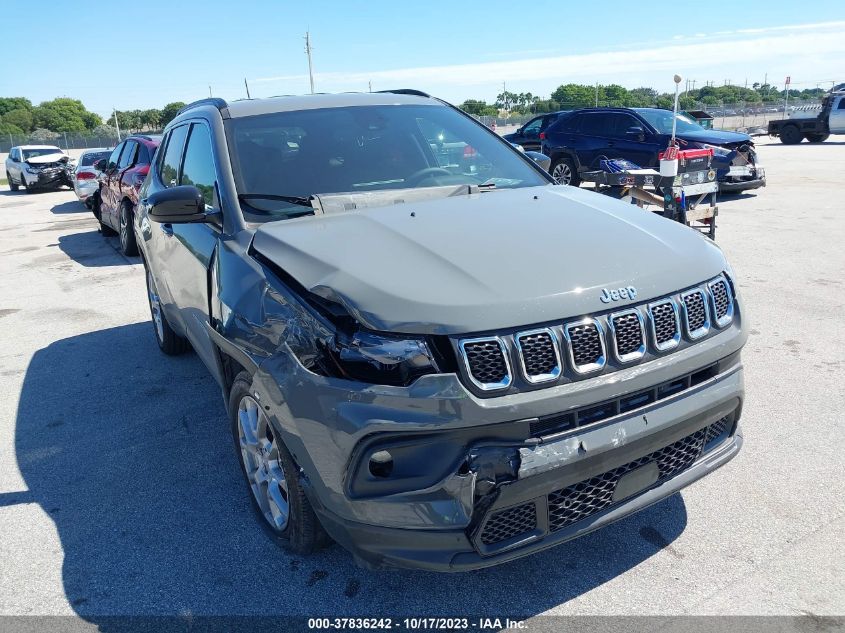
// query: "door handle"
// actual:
[[167, 229]]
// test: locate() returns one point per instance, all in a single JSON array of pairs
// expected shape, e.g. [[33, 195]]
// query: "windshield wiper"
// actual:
[[300, 200], [487, 186]]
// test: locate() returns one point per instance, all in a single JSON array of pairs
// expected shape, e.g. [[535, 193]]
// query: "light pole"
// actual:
[[675, 116], [310, 65]]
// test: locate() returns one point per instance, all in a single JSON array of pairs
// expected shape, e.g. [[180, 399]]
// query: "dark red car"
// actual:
[[123, 173]]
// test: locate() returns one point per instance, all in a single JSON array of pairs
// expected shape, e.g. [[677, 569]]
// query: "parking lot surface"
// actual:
[[120, 491]]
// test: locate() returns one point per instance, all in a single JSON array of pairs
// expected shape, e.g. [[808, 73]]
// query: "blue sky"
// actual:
[[145, 54]]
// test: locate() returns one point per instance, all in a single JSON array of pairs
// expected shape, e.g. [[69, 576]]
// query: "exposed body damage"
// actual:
[[356, 327]]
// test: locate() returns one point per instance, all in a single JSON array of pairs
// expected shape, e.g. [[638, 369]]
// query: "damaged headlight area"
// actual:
[[377, 358], [721, 152]]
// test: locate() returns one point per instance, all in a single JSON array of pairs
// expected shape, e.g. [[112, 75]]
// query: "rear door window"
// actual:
[[596, 124], [170, 163]]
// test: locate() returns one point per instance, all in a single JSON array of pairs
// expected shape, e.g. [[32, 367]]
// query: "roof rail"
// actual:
[[146, 137], [406, 91], [217, 102]]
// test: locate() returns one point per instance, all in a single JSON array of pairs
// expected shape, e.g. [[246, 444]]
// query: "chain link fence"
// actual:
[[66, 140], [744, 116]]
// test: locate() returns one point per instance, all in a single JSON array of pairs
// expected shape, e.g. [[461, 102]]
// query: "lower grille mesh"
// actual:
[[585, 498], [509, 523]]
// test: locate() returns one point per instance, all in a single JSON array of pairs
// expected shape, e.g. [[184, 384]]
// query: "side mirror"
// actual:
[[636, 132], [176, 205], [543, 161], [101, 164]]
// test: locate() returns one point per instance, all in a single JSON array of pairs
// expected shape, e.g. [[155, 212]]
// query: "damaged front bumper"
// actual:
[[429, 476]]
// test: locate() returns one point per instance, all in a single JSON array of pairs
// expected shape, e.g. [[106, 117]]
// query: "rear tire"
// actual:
[[12, 185], [128, 245], [271, 474], [790, 135], [816, 138], [564, 172], [168, 341]]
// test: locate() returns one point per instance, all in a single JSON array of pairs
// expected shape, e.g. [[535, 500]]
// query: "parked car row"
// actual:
[[577, 140]]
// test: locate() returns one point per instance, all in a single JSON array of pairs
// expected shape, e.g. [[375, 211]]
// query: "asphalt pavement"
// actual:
[[120, 491]]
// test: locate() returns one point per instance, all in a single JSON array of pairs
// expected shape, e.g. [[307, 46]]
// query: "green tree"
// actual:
[[7, 128], [20, 118], [474, 106], [170, 111], [575, 96], [7, 104], [151, 119], [64, 115]]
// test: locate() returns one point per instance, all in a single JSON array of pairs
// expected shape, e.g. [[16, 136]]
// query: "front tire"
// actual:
[[168, 341], [271, 473], [790, 135], [564, 172], [12, 185], [128, 246]]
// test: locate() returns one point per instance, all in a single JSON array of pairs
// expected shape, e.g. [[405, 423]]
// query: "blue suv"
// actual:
[[579, 141]]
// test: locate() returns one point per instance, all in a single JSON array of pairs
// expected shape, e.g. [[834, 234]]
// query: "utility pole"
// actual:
[[209, 90], [597, 94], [246, 85], [116, 126], [370, 85], [310, 64]]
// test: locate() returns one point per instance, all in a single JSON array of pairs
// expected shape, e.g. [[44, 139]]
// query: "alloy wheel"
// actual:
[[562, 174], [263, 468], [124, 237], [155, 306]]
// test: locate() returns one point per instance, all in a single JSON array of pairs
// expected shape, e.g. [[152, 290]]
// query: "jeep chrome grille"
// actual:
[[633, 334], [665, 324], [539, 355], [627, 335], [723, 309], [585, 341], [695, 313], [487, 361]]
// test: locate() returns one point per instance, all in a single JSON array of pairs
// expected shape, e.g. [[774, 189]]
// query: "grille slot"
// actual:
[[538, 353], [585, 498], [627, 333], [506, 524], [586, 345], [722, 304], [487, 363], [695, 314], [665, 328]]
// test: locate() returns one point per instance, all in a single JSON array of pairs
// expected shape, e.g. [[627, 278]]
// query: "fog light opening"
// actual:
[[381, 464]]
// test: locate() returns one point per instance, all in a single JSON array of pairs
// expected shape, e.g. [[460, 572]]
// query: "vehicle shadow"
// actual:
[[741, 195], [91, 248], [72, 206], [130, 453]]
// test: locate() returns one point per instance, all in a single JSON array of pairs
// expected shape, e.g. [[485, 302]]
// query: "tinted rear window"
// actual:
[[86, 160]]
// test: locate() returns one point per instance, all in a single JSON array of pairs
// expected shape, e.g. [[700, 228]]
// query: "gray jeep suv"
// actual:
[[428, 350]]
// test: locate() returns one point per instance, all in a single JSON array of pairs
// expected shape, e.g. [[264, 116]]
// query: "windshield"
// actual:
[[362, 149], [661, 120], [92, 157], [41, 151]]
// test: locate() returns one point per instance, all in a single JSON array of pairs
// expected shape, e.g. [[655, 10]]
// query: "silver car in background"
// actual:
[[86, 178]]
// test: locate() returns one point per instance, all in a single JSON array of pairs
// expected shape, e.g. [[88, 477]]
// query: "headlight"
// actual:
[[32, 170], [380, 358], [717, 151]]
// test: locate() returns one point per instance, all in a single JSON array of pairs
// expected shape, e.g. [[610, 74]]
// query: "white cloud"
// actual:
[[809, 52]]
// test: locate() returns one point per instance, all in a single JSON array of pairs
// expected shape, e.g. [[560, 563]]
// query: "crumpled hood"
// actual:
[[717, 137], [488, 261], [46, 158]]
